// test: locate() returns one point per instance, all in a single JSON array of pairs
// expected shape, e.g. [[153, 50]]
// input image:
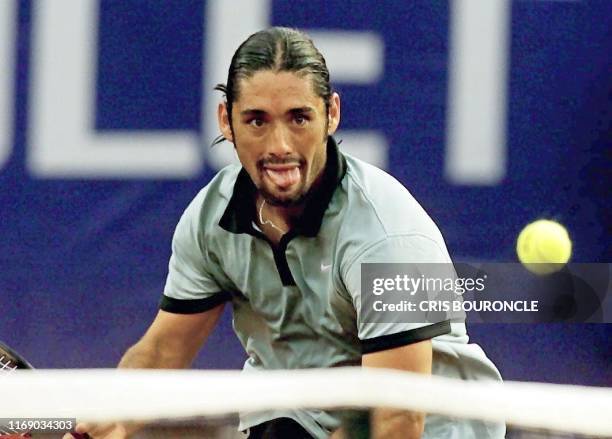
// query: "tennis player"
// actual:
[[283, 237]]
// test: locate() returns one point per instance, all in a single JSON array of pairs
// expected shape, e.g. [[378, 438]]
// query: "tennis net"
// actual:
[[193, 403]]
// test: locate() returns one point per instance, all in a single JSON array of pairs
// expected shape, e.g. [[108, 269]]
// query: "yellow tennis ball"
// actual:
[[544, 246]]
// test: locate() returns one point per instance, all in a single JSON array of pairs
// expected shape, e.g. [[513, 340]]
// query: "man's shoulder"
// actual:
[[373, 192], [220, 188], [210, 202]]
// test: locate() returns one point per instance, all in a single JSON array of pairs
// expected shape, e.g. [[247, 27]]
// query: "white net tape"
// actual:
[[106, 395]]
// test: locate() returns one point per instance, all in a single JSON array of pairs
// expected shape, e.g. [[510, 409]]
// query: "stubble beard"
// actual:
[[286, 201], [304, 191]]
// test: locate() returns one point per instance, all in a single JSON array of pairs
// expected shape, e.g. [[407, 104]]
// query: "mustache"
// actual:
[[261, 163]]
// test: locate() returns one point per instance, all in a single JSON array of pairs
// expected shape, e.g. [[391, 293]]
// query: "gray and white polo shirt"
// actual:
[[297, 304]]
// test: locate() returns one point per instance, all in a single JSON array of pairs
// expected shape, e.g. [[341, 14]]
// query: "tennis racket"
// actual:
[[10, 361]]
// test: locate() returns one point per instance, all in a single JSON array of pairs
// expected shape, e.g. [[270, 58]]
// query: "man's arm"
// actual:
[[390, 423], [171, 342]]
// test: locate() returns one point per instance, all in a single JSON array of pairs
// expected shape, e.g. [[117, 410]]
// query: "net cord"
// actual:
[[110, 395]]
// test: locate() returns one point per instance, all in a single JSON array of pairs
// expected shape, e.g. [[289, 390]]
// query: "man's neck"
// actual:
[[276, 221]]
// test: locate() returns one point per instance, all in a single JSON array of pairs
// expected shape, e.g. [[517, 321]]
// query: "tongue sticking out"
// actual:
[[284, 178]]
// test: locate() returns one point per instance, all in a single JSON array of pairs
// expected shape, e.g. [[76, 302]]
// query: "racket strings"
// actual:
[[11, 360], [6, 363]]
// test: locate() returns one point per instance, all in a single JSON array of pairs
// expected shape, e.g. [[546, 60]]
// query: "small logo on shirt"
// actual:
[[325, 267]]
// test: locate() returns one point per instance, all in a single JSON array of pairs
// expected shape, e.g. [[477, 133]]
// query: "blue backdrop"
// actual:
[[83, 260]]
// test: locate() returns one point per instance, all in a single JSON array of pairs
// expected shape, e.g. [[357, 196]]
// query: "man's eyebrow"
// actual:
[[258, 112], [305, 109], [252, 112]]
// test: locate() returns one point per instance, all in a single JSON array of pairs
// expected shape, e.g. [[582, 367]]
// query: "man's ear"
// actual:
[[224, 122], [334, 114]]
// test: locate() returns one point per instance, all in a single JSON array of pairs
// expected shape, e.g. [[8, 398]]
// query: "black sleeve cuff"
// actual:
[[391, 341], [193, 306]]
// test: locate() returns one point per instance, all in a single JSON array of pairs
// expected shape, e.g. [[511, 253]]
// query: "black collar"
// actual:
[[240, 212]]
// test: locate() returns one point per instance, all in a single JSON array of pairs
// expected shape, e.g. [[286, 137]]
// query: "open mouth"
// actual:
[[283, 176]]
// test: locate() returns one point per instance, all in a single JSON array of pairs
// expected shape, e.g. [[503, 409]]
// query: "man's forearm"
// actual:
[[143, 355], [390, 423], [147, 356]]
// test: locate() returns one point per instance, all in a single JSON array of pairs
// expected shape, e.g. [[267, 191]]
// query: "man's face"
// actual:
[[280, 129]]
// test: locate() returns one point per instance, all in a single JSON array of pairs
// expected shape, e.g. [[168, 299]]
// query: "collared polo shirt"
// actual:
[[297, 304]]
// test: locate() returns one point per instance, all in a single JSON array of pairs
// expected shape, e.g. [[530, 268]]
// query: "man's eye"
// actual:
[[256, 122], [300, 119]]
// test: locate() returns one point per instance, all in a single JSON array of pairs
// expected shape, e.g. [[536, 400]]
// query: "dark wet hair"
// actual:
[[278, 49]]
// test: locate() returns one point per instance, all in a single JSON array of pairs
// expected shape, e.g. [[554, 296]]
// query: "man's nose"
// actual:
[[279, 142]]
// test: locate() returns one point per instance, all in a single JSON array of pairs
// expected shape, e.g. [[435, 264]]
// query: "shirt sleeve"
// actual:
[[415, 250], [190, 287]]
